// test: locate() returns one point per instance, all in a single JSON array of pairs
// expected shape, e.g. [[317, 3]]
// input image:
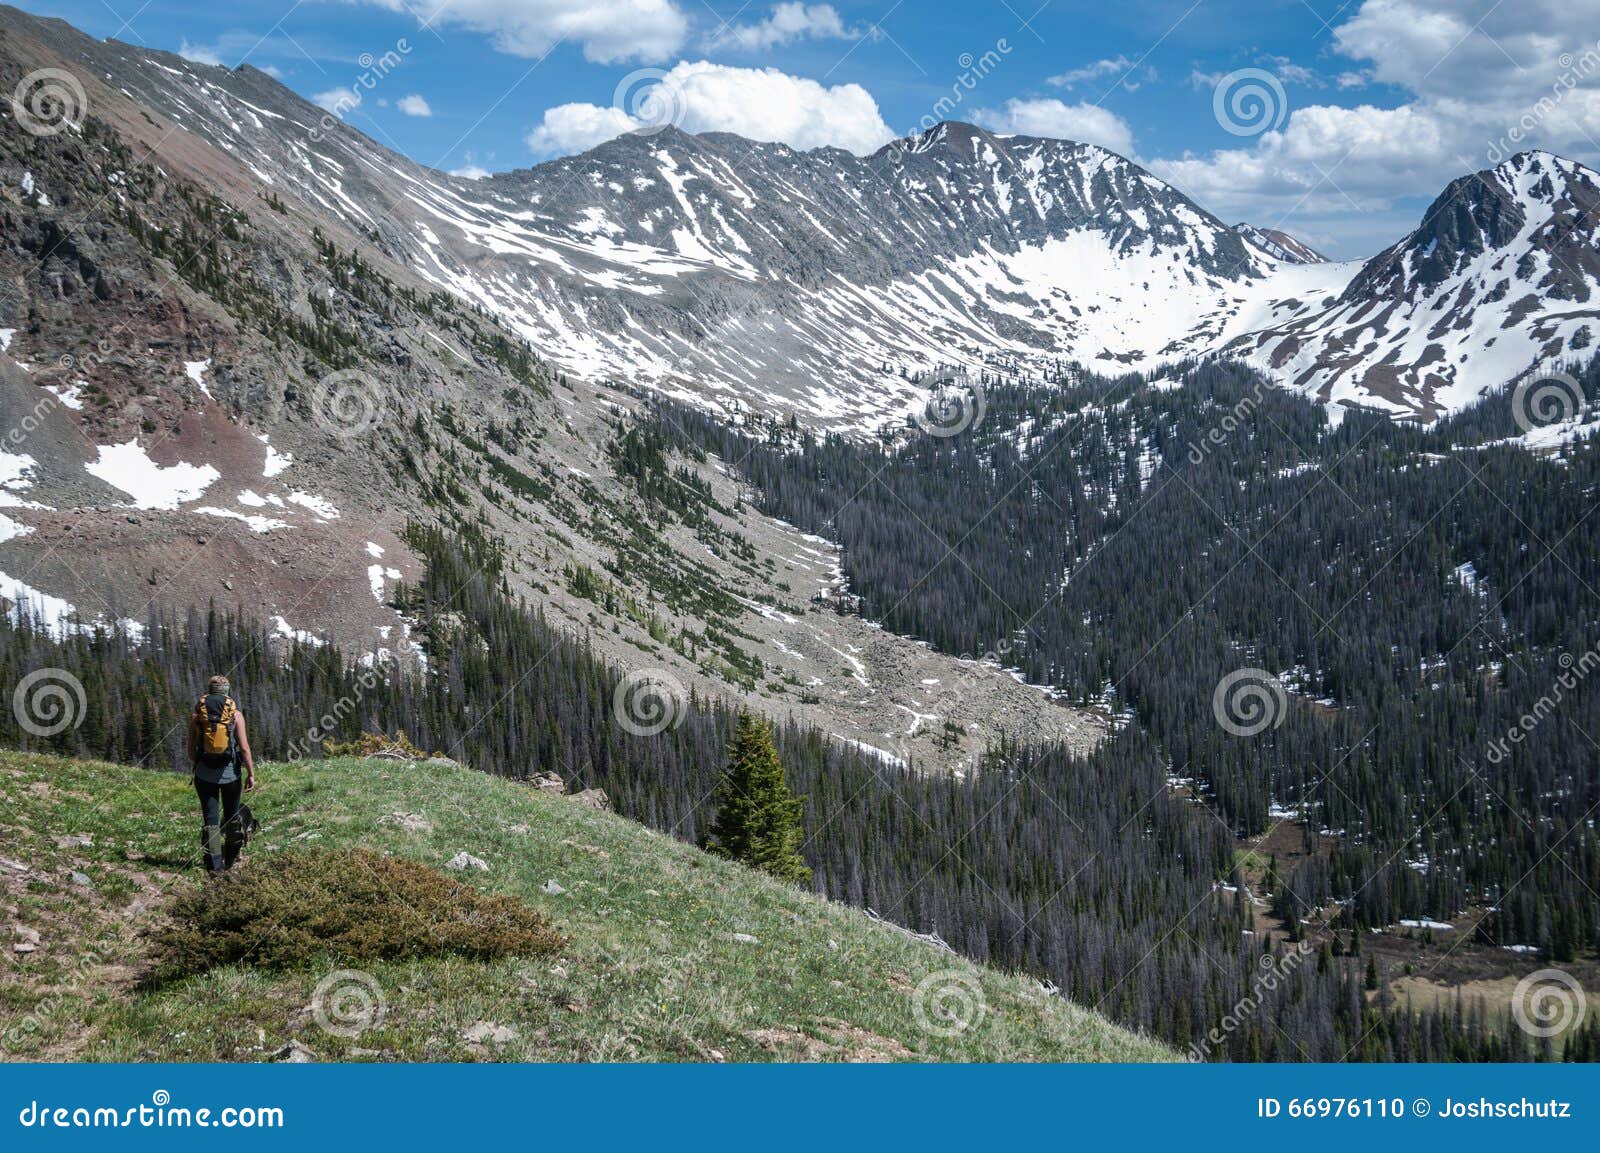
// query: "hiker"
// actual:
[[218, 741]]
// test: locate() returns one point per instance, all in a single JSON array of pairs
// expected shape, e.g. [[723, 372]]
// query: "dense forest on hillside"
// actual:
[[1415, 592], [1090, 872]]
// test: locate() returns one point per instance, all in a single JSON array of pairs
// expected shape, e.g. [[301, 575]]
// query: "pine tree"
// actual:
[[758, 822]]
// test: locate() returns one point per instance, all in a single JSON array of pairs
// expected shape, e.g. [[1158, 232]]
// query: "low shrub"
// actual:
[[290, 910], [397, 747]]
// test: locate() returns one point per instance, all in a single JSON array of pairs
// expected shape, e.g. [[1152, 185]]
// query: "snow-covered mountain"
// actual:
[[1279, 245], [718, 268], [1502, 273]]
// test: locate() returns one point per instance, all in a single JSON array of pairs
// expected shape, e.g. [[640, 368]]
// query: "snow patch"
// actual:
[[152, 486], [320, 506], [195, 370], [288, 631], [276, 461]]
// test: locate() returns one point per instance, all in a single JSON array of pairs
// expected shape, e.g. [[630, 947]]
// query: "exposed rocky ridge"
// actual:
[[1280, 245]]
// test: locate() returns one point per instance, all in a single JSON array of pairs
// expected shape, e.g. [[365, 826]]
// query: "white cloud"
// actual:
[[1072, 77], [1087, 122], [758, 103], [1290, 72], [337, 100], [572, 128], [1483, 85], [470, 172], [789, 22], [414, 105], [199, 53], [610, 32]]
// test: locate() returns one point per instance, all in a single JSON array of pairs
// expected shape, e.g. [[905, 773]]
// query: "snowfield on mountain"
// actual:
[[723, 269]]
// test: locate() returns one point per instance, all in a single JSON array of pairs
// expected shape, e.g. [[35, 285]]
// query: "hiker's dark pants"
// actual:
[[222, 836]]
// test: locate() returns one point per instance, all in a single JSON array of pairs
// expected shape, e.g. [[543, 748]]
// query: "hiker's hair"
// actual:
[[218, 684]]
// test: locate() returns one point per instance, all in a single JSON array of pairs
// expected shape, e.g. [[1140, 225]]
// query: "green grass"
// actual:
[[653, 969]]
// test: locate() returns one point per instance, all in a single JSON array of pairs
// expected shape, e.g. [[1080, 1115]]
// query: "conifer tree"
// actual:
[[758, 823]]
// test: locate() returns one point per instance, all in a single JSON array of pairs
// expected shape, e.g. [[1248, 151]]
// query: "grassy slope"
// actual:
[[653, 972]]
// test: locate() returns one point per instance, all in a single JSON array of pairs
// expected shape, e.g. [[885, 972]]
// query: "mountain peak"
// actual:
[[1280, 245], [956, 136]]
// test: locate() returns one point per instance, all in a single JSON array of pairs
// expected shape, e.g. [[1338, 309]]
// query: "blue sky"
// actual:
[[1348, 117]]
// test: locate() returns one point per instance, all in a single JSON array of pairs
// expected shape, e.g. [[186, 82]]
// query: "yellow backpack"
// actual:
[[213, 723]]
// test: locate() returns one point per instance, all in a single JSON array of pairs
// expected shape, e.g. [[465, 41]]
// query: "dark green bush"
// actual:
[[289, 910]]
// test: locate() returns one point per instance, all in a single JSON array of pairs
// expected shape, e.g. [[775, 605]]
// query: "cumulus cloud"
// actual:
[[611, 32], [470, 172], [1482, 86], [758, 103], [199, 53], [1055, 118], [787, 23], [337, 100], [414, 105], [572, 128]]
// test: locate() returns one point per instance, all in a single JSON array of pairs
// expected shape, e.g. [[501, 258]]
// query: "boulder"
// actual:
[[548, 783], [294, 1053], [488, 1033], [464, 861], [593, 798]]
